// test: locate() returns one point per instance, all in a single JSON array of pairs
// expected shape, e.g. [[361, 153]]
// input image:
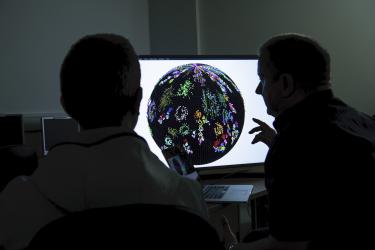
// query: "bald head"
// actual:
[[301, 57]]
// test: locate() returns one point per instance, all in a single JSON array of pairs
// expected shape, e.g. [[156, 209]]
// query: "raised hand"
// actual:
[[266, 133]]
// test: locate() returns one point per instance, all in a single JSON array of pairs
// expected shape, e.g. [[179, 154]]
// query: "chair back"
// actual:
[[138, 226]]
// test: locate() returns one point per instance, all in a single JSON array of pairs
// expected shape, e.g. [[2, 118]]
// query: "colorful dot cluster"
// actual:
[[197, 107]]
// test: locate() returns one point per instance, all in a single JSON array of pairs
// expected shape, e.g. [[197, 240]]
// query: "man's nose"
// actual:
[[258, 90]]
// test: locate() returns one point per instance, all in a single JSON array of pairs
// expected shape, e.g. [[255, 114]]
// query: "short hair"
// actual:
[[99, 77], [300, 56]]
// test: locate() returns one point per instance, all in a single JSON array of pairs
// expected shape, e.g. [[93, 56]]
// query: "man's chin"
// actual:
[[271, 113]]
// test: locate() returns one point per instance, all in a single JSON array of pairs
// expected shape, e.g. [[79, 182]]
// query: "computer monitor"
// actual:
[[56, 130], [11, 130], [204, 104]]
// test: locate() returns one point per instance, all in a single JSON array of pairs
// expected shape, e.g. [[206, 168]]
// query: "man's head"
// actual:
[[100, 81], [290, 67]]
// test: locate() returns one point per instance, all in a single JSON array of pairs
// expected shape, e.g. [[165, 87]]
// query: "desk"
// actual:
[[243, 217]]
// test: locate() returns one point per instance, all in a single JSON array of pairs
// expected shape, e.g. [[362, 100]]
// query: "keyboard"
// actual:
[[214, 191]]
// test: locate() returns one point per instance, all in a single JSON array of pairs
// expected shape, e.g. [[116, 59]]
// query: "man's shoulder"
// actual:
[[19, 184], [353, 128]]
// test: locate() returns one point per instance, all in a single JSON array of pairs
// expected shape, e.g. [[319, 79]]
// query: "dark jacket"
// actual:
[[318, 170]]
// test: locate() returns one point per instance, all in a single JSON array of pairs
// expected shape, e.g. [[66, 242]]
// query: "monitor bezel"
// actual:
[[19, 118], [206, 57], [42, 119]]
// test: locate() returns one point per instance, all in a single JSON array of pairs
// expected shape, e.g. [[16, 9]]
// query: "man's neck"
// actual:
[[301, 95], [128, 123]]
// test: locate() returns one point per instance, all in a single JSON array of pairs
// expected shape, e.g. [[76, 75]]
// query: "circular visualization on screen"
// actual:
[[197, 107]]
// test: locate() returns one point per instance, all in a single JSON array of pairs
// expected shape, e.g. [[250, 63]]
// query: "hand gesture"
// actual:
[[266, 133]]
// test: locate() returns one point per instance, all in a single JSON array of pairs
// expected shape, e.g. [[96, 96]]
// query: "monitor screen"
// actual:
[[11, 130], [203, 104], [56, 130]]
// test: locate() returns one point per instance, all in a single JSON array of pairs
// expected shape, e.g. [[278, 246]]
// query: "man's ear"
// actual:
[[137, 103], [62, 102], [288, 85]]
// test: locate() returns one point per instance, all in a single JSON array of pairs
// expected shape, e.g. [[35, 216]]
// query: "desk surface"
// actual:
[[258, 190], [238, 214]]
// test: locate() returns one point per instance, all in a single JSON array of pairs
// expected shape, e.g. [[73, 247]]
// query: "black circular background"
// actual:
[[215, 112]]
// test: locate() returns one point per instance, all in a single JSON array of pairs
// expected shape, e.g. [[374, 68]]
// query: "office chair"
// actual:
[[138, 226], [16, 160]]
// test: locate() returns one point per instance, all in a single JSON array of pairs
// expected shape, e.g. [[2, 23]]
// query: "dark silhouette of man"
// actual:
[[107, 164], [318, 168]]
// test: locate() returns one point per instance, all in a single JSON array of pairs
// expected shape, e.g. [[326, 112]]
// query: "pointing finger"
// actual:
[[256, 129], [261, 123]]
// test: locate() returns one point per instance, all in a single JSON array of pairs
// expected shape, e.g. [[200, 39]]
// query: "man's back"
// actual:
[[318, 162], [102, 168]]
